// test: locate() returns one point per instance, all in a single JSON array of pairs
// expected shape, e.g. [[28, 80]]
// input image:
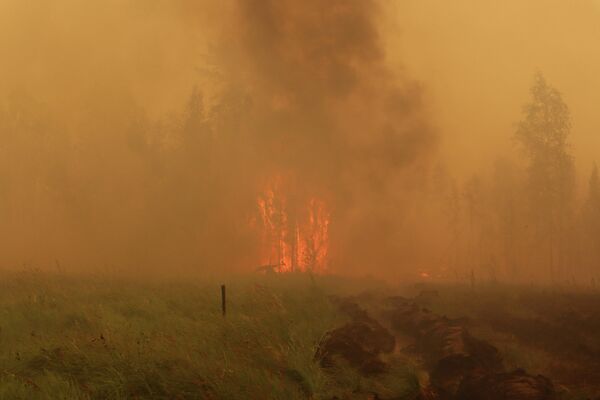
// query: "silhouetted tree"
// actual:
[[543, 134], [505, 205], [590, 223], [592, 204], [453, 210], [474, 209]]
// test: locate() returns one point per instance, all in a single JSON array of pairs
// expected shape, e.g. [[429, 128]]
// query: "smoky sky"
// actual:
[[328, 112], [138, 135]]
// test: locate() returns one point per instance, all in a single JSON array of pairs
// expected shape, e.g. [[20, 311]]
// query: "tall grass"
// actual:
[[67, 338]]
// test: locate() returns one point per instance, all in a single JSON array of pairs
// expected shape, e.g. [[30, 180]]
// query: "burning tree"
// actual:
[[294, 230]]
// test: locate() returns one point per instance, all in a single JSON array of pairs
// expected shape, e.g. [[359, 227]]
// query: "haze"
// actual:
[[361, 137]]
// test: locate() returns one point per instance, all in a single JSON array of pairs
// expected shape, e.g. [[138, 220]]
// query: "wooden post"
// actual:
[[223, 300]]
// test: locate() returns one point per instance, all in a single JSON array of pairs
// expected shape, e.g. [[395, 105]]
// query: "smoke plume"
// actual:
[[144, 136], [334, 120]]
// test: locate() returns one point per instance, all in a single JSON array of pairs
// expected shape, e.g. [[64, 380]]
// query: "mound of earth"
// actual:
[[516, 385], [462, 366], [360, 342]]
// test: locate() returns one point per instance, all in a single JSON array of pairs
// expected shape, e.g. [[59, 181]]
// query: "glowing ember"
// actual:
[[294, 237]]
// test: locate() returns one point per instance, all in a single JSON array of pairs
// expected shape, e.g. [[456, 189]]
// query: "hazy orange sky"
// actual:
[[477, 59]]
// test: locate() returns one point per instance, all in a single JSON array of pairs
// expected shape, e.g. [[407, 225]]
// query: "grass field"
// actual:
[[96, 338], [106, 338]]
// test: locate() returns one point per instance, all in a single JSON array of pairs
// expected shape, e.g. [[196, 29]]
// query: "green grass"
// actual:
[[83, 338]]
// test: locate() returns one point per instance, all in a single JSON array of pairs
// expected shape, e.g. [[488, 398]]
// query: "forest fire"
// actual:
[[294, 233], [300, 199]]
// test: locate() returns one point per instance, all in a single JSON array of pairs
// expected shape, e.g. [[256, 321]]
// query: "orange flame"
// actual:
[[293, 238]]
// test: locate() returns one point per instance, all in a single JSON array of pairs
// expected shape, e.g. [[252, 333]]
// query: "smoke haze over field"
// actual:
[[141, 135]]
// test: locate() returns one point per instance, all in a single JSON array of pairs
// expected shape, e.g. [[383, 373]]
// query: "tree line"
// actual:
[[114, 186], [523, 221]]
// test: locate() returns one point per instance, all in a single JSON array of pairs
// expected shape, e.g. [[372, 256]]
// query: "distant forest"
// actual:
[[115, 186]]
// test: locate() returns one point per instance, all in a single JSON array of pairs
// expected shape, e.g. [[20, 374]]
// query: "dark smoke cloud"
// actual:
[[93, 174], [327, 111]]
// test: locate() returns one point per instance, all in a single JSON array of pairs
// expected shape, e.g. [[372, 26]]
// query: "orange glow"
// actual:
[[293, 239]]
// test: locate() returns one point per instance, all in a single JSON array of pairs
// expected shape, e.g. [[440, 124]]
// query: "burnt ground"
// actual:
[[553, 332], [484, 343]]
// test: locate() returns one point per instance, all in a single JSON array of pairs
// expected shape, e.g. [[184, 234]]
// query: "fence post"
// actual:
[[223, 300]]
